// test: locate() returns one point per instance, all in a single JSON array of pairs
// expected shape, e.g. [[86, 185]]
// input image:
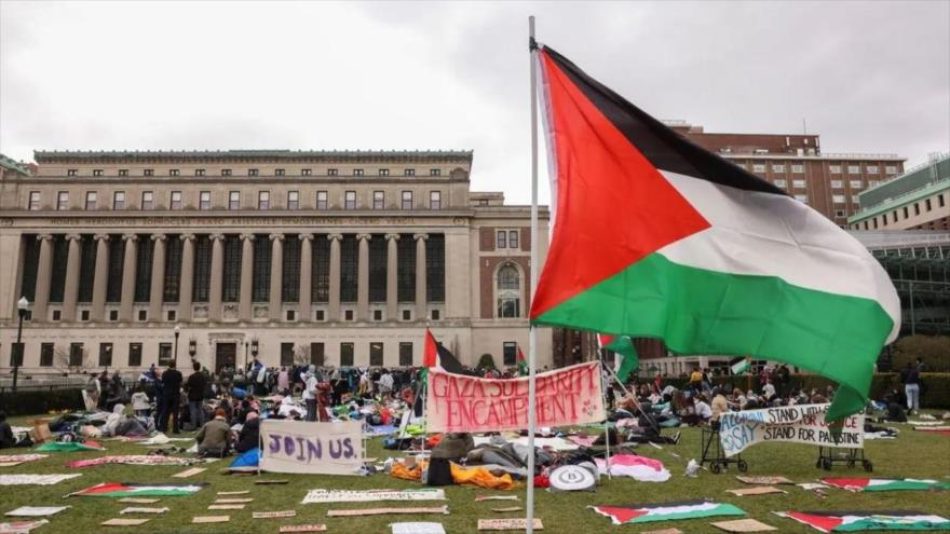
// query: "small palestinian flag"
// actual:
[[622, 347], [739, 365], [647, 513], [703, 254], [871, 520], [121, 489], [886, 484], [522, 363], [435, 355]]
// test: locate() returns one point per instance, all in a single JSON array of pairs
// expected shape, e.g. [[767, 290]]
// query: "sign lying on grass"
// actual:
[[312, 448], [458, 403], [797, 424], [324, 496]]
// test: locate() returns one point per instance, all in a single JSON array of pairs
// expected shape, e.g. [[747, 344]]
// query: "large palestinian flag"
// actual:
[[121, 489], [700, 253], [885, 484], [648, 513], [870, 520]]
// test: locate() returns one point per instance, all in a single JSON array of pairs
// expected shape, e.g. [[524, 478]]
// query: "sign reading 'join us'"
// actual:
[[314, 448]]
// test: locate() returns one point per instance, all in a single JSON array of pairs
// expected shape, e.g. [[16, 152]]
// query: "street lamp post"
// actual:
[[177, 333], [23, 306]]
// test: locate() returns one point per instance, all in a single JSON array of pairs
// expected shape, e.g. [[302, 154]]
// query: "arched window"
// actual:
[[509, 292]]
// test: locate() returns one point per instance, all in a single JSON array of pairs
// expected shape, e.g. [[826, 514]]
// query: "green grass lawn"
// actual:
[[913, 454]]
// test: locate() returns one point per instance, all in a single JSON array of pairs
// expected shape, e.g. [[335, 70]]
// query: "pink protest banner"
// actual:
[[459, 403]]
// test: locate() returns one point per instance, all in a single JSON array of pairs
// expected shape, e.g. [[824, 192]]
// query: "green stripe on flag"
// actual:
[[699, 311]]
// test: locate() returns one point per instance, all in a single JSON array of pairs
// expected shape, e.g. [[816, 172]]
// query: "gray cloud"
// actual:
[[868, 76]]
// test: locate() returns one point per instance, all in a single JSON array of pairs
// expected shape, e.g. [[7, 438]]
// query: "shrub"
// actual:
[[37, 401]]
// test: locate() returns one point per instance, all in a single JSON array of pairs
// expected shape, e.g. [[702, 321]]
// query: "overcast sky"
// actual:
[[868, 76]]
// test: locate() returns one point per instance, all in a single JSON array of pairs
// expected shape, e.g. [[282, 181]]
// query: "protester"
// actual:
[[386, 385], [910, 377], [719, 406], [283, 381], [310, 393], [7, 439], [195, 386], [171, 398], [214, 437], [250, 435], [140, 403]]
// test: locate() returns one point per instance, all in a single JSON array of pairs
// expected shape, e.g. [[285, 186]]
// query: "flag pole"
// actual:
[[532, 331]]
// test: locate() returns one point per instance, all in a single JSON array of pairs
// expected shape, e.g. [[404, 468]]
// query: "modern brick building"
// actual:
[[337, 258], [917, 200]]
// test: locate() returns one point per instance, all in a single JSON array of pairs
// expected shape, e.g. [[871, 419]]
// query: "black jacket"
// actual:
[[171, 382], [196, 386], [250, 435]]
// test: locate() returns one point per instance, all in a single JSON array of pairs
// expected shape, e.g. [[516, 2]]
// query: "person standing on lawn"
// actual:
[[171, 398], [195, 386], [911, 379]]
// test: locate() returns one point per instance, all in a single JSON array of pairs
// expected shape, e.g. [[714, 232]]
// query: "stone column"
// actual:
[[362, 278], [128, 277], [71, 291], [186, 288], [276, 276], [100, 284], [157, 290], [333, 310], [306, 276], [392, 280], [421, 276], [44, 276], [217, 277], [247, 276]]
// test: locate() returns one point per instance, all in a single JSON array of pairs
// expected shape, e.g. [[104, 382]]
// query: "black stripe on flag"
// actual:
[[663, 147]]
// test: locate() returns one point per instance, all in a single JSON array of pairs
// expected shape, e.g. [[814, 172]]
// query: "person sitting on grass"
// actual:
[[250, 435], [214, 438], [140, 402]]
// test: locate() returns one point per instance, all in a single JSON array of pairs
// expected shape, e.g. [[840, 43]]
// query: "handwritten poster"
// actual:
[[458, 403], [313, 448], [797, 424]]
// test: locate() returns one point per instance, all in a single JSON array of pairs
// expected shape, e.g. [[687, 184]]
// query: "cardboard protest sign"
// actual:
[[311, 448], [509, 524], [313, 527], [459, 403], [796, 424], [124, 522]]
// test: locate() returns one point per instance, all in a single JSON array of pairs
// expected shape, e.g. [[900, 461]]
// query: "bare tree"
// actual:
[[301, 354]]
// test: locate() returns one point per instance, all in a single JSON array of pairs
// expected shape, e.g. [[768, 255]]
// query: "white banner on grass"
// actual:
[[797, 424], [313, 448], [323, 496]]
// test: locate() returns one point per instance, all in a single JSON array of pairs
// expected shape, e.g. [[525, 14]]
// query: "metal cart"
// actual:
[[718, 461], [829, 456]]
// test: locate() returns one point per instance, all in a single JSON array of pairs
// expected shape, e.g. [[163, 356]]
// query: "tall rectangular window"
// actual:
[[322, 200], [349, 200], [76, 354], [435, 268], [34, 204], [118, 200], [317, 354], [135, 355], [509, 350], [262, 261], [405, 354], [172, 283], [87, 268], [148, 200], [234, 200], [435, 200], [346, 354], [501, 239], [349, 265], [231, 290], [202, 285], [143, 269], [286, 354], [47, 354], [58, 280], [407, 200], [293, 200], [320, 269], [406, 268], [204, 200], [379, 200], [377, 268], [263, 200], [175, 202], [91, 200], [116, 268], [16, 354], [31, 260], [376, 353], [512, 238], [165, 355], [290, 277], [105, 354], [62, 200]]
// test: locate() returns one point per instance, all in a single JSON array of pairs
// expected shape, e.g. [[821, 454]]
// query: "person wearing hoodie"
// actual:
[[250, 435]]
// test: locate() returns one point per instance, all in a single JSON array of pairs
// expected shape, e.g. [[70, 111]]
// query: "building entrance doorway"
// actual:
[[225, 356]]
